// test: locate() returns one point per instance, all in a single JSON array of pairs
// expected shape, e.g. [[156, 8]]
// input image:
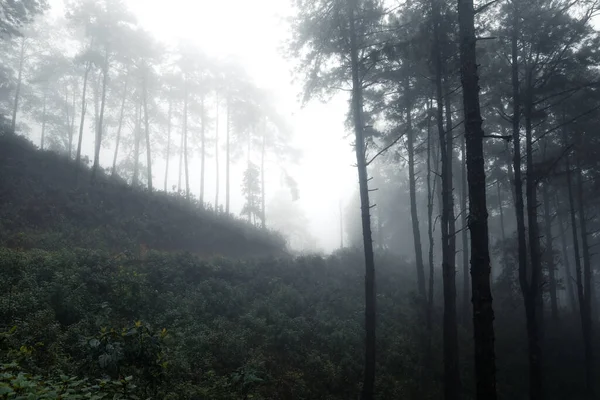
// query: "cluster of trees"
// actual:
[[417, 114], [94, 78]]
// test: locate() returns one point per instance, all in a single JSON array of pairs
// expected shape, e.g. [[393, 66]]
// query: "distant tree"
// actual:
[[14, 14]]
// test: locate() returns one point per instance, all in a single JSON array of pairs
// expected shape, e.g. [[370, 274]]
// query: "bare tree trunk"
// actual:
[[483, 313], [180, 172], [566, 259], [120, 127], [147, 131], [532, 295], [72, 126], [586, 306], [368, 389], [13, 124], [136, 150], [99, 126], [579, 278], [185, 145], [203, 151], [83, 110], [262, 180], [464, 236], [168, 156], [502, 229], [430, 199], [227, 159], [450, 328], [413, 194], [43, 119], [217, 155], [550, 253]]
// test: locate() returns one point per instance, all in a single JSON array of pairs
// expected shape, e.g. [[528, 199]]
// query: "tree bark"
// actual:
[[203, 150], [465, 237], [43, 119], [185, 144], [227, 158], [413, 194], [502, 229], [147, 132], [566, 259], [168, 156], [120, 127], [483, 313], [99, 126], [13, 124], [83, 110], [587, 286], [550, 253], [137, 138], [217, 155], [450, 328], [579, 279], [368, 389]]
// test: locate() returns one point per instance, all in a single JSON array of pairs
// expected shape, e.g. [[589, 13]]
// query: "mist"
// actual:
[[299, 199]]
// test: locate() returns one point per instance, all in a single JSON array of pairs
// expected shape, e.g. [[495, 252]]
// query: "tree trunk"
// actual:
[[550, 253], [168, 156], [180, 171], [43, 119], [227, 159], [262, 179], [566, 259], [72, 126], [413, 195], [502, 229], [579, 279], [368, 389], [430, 200], [13, 124], [99, 127], [203, 150], [533, 294], [465, 237], [587, 286], [450, 329], [137, 138], [217, 155], [483, 313], [147, 131], [120, 127], [185, 145], [83, 110]]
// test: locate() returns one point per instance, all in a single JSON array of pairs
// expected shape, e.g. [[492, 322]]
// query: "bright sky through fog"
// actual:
[[254, 32]]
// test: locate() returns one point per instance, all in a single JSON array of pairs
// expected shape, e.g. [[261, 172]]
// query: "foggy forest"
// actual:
[[299, 199]]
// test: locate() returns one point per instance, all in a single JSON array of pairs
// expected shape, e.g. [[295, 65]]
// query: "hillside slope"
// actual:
[[47, 202]]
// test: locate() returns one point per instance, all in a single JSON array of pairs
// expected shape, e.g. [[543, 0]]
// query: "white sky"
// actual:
[[254, 32]]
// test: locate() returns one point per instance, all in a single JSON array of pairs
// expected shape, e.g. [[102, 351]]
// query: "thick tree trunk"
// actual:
[[533, 294], [99, 127], [566, 259], [13, 124], [83, 110], [168, 156], [120, 127], [227, 159], [587, 344], [217, 156], [466, 309], [412, 182], [587, 286], [430, 200], [368, 389], [147, 132], [450, 328], [550, 253], [483, 313]]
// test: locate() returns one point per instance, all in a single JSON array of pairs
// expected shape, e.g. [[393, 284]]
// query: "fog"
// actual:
[[300, 199], [324, 172]]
